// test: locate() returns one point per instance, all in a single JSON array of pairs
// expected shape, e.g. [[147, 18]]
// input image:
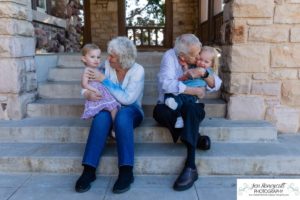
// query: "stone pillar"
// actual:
[[185, 16], [18, 84], [104, 21], [262, 61]]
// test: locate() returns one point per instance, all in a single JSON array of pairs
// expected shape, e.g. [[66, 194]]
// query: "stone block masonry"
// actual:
[[261, 52], [18, 82]]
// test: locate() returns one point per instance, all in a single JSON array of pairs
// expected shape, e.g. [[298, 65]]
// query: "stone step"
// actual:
[[71, 89], [75, 130], [28, 186], [68, 89], [75, 73], [143, 58], [281, 158], [74, 107]]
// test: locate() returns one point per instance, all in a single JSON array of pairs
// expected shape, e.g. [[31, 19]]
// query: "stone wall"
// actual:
[[18, 84], [49, 38], [262, 61], [61, 31]]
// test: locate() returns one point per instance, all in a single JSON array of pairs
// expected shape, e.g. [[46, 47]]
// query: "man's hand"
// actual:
[[195, 91], [200, 92], [91, 96]]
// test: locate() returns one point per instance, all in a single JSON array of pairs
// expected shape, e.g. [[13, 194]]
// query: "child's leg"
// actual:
[[113, 114], [171, 103], [174, 102]]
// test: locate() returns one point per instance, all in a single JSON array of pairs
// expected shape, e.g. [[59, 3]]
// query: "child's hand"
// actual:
[[196, 72], [184, 77], [92, 96], [95, 91]]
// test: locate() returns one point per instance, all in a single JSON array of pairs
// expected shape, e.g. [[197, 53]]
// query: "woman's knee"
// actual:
[[103, 117], [122, 119], [101, 122]]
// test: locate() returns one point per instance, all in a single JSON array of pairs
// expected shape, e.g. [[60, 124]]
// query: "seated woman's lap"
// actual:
[[127, 118]]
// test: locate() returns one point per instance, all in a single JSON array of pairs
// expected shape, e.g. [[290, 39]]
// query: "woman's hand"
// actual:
[[94, 75], [92, 96]]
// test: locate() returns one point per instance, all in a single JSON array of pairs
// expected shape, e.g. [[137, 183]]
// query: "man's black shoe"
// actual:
[[83, 184], [186, 179], [203, 142]]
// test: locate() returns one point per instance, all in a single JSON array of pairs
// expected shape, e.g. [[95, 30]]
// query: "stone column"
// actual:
[[261, 55], [104, 21], [18, 84]]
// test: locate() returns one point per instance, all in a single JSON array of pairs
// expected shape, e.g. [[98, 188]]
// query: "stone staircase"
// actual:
[[52, 137]]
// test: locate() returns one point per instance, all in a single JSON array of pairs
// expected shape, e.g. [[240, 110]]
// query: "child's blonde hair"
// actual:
[[87, 47], [215, 56]]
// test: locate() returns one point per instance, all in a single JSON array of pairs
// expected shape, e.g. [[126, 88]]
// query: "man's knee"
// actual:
[[161, 112], [196, 109]]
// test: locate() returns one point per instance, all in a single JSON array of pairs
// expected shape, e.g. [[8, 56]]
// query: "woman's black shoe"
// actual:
[[83, 184], [203, 142], [124, 180], [88, 175]]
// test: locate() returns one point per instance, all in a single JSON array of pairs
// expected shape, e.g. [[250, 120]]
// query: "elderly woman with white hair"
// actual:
[[124, 79]]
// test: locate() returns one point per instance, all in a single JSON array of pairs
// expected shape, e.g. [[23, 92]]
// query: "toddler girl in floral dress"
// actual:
[[91, 59]]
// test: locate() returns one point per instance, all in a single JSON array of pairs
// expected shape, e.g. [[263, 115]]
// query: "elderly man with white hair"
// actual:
[[186, 50]]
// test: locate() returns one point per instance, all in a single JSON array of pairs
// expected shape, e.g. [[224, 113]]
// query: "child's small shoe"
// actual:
[[179, 123], [171, 103], [113, 134]]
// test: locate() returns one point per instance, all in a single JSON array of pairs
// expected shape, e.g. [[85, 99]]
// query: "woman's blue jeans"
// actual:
[[127, 118]]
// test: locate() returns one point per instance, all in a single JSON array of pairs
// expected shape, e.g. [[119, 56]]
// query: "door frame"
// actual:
[[168, 34]]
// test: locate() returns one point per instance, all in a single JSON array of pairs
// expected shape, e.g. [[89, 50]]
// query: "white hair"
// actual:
[[124, 49], [184, 42]]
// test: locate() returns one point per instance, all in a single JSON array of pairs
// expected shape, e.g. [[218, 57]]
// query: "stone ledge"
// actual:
[[48, 19], [22, 2]]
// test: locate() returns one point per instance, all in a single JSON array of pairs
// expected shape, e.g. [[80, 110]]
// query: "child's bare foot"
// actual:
[[113, 134]]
